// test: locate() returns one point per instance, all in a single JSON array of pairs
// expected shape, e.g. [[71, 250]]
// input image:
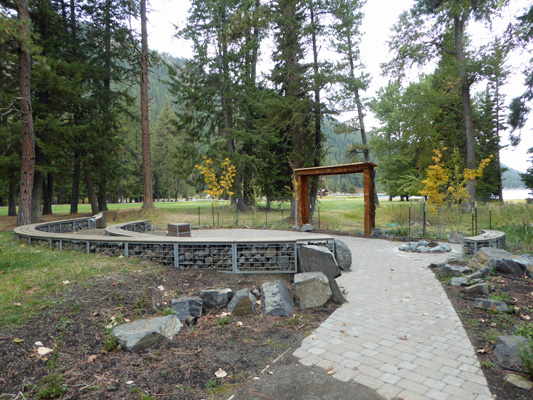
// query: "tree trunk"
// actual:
[[317, 151], [459, 25], [90, 191], [36, 197], [102, 195], [11, 201], [74, 197], [27, 169], [47, 206], [148, 197]]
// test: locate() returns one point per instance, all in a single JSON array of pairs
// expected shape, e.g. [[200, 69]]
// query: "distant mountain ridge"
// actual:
[[511, 179]]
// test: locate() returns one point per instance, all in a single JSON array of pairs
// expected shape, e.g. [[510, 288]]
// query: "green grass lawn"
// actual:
[[30, 275]]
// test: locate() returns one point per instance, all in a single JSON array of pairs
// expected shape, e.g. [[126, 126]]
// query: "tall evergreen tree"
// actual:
[[420, 37]]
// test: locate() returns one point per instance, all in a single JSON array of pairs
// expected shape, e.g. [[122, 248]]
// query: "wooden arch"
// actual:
[[367, 168]]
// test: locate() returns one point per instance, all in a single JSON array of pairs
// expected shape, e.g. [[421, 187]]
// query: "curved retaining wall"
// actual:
[[251, 255]]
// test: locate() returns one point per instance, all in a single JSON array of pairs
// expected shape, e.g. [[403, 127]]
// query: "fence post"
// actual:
[[475, 208], [213, 213], [281, 207], [473, 222], [409, 221], [424, 220], [318, 213], [237, 212], [490, 216], [199, 224], [266, 215]]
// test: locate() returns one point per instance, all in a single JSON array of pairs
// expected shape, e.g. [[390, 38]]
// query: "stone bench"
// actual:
[[487, 238]]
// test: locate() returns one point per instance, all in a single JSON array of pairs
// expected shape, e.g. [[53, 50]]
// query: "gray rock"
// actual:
[[142, 333], [492, 305], [405, 247], [446, 247], [423, 243], [456, 237], [319, 259], [507, 350], [459, 281], [277, 300], [215, 298], [479, 288], [437, 249], [312, 289], [423, 249], [306, 228], [379, 233], [343, 255], [242, 303], [518, 381], [453, 270], [503, 261], [187, 306]]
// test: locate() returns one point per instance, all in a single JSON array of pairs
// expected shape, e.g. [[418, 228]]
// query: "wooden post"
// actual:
[[303, 200], [369, 198]]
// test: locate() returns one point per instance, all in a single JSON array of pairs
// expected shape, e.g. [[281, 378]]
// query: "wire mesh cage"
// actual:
[[266, 257], [205, 256]]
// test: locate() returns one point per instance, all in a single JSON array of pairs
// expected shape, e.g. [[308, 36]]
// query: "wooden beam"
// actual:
[[303, 200], [335, 169], [369, 199]]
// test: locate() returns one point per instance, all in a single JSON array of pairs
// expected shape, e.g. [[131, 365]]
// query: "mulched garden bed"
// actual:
[[86, 363]]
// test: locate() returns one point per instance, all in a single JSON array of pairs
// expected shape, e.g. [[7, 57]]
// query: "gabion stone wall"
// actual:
[[238, 256]]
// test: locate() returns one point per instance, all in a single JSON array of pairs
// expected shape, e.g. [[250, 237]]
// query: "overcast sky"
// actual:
[[380, 16]]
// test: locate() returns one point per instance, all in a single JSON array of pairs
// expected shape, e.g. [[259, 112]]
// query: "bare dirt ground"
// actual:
[[86, 363]]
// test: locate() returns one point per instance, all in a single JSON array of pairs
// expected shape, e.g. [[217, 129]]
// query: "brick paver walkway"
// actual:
[[399, 333]]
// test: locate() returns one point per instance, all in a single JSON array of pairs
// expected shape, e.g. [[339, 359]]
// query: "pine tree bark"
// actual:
[[74, 197], [36, 196], [459, 25], [148, 197], [27, 169], [90, 191], [11, 201]]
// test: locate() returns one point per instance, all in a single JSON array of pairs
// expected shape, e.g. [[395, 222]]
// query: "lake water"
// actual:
[[516, 194]]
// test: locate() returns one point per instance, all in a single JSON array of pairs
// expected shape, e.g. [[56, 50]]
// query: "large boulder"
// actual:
[[507, 350], [319, 259], [312, 289], [216, 298], [277, 299], [187, 306], [502, 261], [142, 333], [242, 303], [343, 255]]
